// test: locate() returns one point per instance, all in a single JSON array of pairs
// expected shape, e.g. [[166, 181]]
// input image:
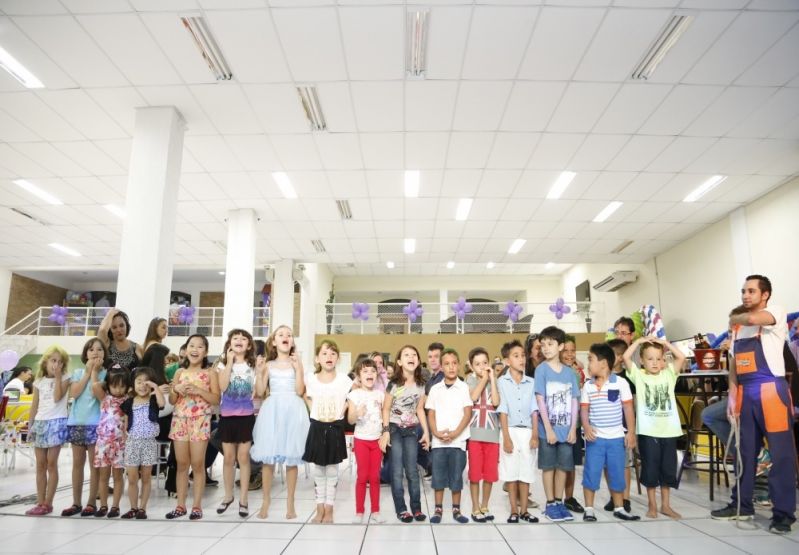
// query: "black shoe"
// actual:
[[609, 505], [256, 482], [621, 514], [589, 517], [573, 505], [627, 505], [780, 525], [730, 512], [210, 482]]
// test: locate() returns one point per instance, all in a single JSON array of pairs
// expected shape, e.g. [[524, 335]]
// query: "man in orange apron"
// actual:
[[759, 399]]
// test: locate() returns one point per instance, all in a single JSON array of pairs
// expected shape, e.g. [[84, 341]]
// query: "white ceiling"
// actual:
[[516, 92]]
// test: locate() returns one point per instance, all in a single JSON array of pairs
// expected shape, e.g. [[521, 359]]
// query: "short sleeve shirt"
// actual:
[[484, 425], [49, 408], [328, 400], [559, 389], [370, 425], [448, 402], [656, 409], [605, 405], [85, 408], [517, 400], [404, 403], [772, 338]]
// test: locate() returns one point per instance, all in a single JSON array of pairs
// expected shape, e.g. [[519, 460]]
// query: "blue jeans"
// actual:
[[715, 418], [404, 448]]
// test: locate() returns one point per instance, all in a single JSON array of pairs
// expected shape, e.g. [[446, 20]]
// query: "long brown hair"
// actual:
[[330, 345], [152, 331], [399, 378], [271, 348], [249, 354]]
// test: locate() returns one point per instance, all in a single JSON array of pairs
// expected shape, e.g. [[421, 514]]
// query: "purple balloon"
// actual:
[[413, 310], [360, 311], [512, 311], [461, 308], [8, 360], [559, 308]]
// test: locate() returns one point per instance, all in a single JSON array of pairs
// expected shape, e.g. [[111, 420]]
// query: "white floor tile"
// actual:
[[538, 532], [584, 533], [636, 545], [387, 534], [703, 545], [663, 529], [473, 548], [404, 547], [304, 547], [102, 544], [265, 530], [769, 545], [725, 528], [198, 529], [229, 545], [173, 544], [559, 547], [36, 541], [459, 532]]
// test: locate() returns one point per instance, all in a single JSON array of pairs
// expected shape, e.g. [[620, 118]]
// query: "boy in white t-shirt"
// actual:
[[450, 411]]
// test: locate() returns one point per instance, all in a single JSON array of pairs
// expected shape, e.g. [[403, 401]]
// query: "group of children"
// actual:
[[503, 422]]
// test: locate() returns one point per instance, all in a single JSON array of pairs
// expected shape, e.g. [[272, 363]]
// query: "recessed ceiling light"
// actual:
[[318, 246], [464, 206], [704, 188], [222, 273], [560, 185], [621, 246], [115, 210], [607, 211], [410, 246], [285, 185], [390, 265], [450, 265], [65, 250], [550, 265], [490, 265], [209, 49], [416, 42], [516, 246], [34, 190], [344, 209], [313, 109], [667, 38], [19, 71], [412, 183]]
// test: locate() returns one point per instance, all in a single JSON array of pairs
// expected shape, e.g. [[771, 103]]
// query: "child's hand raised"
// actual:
[[151, 385]]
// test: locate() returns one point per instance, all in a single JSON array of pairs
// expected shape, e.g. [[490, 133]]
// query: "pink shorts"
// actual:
[[483, 461]]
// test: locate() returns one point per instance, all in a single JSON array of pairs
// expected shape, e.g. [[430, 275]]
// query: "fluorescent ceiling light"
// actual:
[[607, 211], [412, 183], [344, 209], [318, 246], [19, 71], [667, 38], [285, 185], [410, 246], [550, 265], [65, 250], [209, 49], [36, 191], [416, 29], [704, 188], [621, 246], [222, 273], [390, 265], [450, 265], [560, 185], [490, 265], [115, 210], [464, 205], [312, 107], [516, 246]]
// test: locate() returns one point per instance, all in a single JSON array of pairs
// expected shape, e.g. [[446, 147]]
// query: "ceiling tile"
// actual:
[[480, 105], [382, 150], [373, 42], [512, 150], [227, 106], [429, 105], [487, 57], [679, 109], [378, 105], [734, 104], [554, 150], [639, 152], [278, 108], [631, 107], [426, 150], [523, 115], [469, 150], [446, 43], [311, 42]]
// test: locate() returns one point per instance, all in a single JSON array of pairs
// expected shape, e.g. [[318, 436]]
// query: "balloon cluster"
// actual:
[[559, 308], [461, 308], [186, 315], [360, 311], [58, 315], [413, 310], [512, 310]]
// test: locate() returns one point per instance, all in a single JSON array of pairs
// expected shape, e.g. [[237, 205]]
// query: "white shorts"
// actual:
[[519, 465]]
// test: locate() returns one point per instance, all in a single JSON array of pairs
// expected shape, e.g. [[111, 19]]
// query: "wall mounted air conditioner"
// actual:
[[616, 281]]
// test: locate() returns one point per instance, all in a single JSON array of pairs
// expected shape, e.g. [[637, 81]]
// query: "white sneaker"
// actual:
[[375, 518], [358, 519]]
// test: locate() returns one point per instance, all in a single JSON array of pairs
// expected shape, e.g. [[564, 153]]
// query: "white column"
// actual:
[[283, 295], [314, 292], [739, 233], [443, 308], [240, 269], [5, 297], [146, 253]]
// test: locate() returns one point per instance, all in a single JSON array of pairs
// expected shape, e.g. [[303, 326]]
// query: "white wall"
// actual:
[[5, 294], [314, 291]]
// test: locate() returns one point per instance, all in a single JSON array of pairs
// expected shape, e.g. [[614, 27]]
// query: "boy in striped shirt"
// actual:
[[605, 397]]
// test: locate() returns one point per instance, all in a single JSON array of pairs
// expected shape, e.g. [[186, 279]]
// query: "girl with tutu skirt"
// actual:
[[325, 447], [282, 423]]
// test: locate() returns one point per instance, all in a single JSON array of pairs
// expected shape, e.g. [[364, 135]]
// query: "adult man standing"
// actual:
[[759, 400], [624, 329]]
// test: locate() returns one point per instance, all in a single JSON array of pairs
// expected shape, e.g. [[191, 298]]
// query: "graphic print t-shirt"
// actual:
[[656, 407], [559, 389], [403, 407]]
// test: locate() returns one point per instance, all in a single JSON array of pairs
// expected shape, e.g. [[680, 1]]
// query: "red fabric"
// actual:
[[483, 461], [368, 456]]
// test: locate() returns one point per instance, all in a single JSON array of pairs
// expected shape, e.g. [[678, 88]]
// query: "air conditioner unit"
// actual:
[[616, 281]]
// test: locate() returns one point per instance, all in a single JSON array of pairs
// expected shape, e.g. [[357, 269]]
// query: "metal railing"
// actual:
[[484, 317]]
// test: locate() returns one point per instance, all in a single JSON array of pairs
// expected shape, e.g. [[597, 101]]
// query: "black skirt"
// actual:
[[236, 429], [325, 444]]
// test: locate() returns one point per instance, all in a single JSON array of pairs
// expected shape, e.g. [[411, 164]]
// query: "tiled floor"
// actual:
[[228, 534]]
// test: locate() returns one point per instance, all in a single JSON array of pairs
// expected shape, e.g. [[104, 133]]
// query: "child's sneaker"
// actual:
[[623, 514], [376, 518], [358, 519], [573, 505], [552, 512], [459, 516], [405, 517], [564, 513]]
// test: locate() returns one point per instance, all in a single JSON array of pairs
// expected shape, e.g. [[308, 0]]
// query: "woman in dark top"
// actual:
[[113, 332], [155, 351]]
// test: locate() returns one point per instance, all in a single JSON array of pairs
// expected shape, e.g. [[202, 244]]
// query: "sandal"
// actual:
[[487, 514], [88, 510], [459, 516], [101, 512], [436, 517], [141, 514], [513, 518], [72, 511], [223, 505], [527, 517], [113, 512], [419, 516], [244, 510], [130, 514], [179, 511], [478, 517], [405, 517], [196, 513]]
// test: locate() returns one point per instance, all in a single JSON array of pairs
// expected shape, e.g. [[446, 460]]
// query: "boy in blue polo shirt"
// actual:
[[556, 393], [605, 398]]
